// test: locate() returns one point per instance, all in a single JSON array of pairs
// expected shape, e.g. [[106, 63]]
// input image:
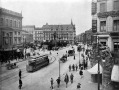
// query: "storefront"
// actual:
[[115, 39]]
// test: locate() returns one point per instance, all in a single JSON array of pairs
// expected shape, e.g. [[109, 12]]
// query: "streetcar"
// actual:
[[37, 62]]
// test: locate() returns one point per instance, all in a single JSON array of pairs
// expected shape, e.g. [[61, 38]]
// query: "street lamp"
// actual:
[[59, 68], [98, 63], [98, 60]]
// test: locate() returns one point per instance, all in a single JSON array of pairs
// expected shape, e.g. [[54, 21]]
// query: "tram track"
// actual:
[[14, 75]]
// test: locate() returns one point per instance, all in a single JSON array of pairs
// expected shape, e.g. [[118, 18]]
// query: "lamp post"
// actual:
[[59, 68], [97, 39], [98, 63]]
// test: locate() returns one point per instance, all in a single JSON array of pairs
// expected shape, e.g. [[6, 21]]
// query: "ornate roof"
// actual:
[[64, 26]]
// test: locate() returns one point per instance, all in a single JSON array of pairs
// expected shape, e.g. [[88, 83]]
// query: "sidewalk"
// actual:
[[86, 83]]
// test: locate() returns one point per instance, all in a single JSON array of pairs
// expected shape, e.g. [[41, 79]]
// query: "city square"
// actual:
[[59, 45]]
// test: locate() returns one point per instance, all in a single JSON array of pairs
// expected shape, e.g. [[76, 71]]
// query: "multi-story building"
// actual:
[[30, 29], [26, 37], [10, 28], [65, 32], [88, 37], [39, 36], [108, 23]]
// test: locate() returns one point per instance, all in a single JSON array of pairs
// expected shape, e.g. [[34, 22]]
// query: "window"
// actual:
[[11, 23], [6, 22], [116, 5], [10, 33], [103, 26], [15, 23], [19, 39], [102, 7], [116, 25], [1, 21], [116, 46], [15, 40], [18, 33], [19, 25], [103, 43], [15, 32], [10, 40]]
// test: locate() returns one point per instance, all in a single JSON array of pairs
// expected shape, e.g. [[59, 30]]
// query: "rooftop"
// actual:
[[6, 11], [28, 26]]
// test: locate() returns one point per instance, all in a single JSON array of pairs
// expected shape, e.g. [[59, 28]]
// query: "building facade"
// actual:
[[26, 37], [10, 28], [65, 32], [39, 35], [30, 29], [88, 34], [108, 23]]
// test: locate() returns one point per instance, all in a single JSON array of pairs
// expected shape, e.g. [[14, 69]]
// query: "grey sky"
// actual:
[[40, 12]]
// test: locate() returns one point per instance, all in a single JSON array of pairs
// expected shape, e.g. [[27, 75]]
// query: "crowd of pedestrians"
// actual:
[[73, 67]]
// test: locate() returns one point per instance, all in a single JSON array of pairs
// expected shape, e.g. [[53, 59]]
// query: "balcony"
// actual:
[[106, 14]]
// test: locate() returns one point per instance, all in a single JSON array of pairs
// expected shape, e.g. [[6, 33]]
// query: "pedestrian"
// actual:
[[74, 57], [57, 53], [20, 83], [79, 86], [81, 73], [58, 82], [86, 64], [66, 79], [20, 72], [50, 53], [51, 83], [76, 67], [73, 67], [71, 77], [79, 65], [69, 68]]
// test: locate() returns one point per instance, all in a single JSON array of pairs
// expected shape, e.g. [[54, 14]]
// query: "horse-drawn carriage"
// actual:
[[11, 65], [63, 58]]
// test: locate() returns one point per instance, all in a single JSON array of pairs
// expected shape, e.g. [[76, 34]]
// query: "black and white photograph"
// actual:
[[59, 44]]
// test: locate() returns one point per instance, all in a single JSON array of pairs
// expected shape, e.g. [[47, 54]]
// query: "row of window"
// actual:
[[9, 41], [10, 23], [57, 29], [115, 26], [103, 6]]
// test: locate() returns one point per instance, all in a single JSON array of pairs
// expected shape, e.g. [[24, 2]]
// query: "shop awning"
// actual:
[[94, 69], [115, 73]]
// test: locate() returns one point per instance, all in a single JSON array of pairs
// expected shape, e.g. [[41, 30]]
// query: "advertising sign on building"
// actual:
[[94, 26], [94, 8]]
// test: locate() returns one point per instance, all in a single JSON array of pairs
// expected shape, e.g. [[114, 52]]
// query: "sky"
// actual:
[[40, 12]]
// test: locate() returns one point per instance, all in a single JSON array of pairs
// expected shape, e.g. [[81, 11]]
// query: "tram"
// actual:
[[37, 62]]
